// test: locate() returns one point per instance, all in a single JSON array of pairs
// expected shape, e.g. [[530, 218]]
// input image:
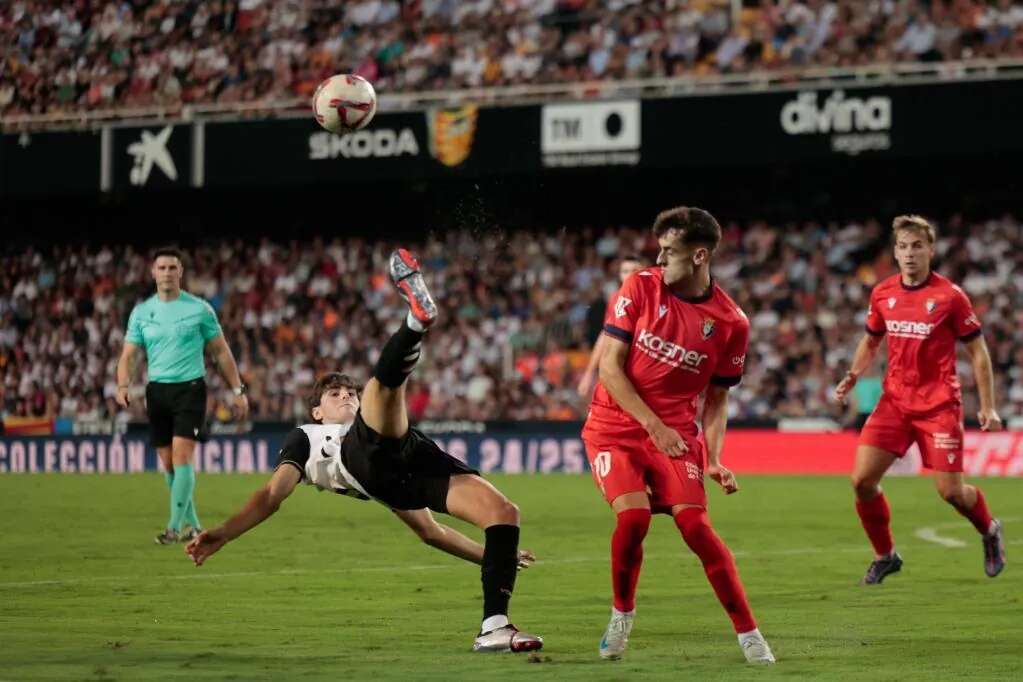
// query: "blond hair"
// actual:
[[914, 223]]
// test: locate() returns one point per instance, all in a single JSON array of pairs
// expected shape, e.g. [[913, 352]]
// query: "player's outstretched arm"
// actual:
[[258, 509], [449, 540], [980, 359], [714, 422], [862, 359], [617, 383]]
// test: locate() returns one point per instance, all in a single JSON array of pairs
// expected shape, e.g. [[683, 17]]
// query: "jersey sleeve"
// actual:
[[295, 451], [875, 323], [732, 361], [134, 332], [623, 310], [208, 324], [965, 322]]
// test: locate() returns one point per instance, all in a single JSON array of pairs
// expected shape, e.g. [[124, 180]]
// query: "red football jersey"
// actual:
[[677, 347], [922, 323]]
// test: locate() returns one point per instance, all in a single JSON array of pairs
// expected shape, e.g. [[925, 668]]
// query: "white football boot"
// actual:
[[755, 648], [616, 637], [507, 639]]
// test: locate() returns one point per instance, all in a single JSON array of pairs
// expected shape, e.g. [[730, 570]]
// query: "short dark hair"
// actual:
[[326, 383], [695, 225], [171, 251]]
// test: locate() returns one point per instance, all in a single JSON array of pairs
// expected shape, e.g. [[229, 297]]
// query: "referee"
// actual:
[[173, 328]]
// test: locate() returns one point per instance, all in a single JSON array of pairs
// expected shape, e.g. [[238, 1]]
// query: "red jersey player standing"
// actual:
[[671, 334], [922, 314]]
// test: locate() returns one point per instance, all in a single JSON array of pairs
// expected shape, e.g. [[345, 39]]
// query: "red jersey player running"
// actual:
[[922, 314], [671, 334]]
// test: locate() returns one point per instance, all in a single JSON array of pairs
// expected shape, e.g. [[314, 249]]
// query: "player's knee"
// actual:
[[953, 494], [506, 512], [865, 488], [502, 512], [692, 522]]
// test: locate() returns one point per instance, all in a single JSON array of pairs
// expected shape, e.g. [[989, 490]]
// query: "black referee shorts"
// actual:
[[176, 409], [410, 472]]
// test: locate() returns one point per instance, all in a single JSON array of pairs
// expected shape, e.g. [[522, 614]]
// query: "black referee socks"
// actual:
[[500, 563], [398, 357]]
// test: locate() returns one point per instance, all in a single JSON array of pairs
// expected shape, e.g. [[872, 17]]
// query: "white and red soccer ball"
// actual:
[[344, 103]]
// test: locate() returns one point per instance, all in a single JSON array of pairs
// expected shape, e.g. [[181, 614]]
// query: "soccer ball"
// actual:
[[344, 103]]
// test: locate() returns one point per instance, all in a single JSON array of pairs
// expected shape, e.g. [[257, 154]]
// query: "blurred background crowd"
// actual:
[[73, 55], [519, 313]]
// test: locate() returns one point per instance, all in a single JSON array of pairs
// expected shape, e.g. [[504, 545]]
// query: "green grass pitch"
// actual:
[[333, 588]]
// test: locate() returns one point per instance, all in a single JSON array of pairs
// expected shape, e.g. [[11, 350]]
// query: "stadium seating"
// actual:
[[519, 312], [73, 56]]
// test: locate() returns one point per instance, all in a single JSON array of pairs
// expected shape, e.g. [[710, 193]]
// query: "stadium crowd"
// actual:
[[71, 55], [519, 313]]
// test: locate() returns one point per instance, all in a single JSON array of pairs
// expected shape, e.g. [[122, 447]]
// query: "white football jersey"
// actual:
[[324, 468]]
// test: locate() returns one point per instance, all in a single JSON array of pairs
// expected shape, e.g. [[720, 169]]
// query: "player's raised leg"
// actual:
[[476, 501], [875, 515], [969, 501], [383, 399], [719, 566]]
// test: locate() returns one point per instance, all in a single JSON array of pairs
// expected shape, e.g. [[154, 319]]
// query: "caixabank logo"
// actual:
[[855, 124], [452, 133]]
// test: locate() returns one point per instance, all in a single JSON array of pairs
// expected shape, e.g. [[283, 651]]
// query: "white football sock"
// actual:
[[752, 634], [616, 612], [414, 324], [493, 623]]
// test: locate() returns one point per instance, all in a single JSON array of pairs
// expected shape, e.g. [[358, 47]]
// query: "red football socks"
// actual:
[[979, 516], [876, 517], [718, 564], [627, 556]]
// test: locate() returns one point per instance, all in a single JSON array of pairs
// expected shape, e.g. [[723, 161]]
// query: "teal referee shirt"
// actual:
[[174, 335]]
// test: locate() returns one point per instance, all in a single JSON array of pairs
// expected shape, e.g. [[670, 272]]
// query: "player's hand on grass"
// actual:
[[122, 397], [844, 387], [208, 543], [667, 439], [724, 477], [989, 420], [526, 558]]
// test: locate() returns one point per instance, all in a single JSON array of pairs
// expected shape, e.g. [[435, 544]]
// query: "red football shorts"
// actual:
[[628, 462], [939, 434]]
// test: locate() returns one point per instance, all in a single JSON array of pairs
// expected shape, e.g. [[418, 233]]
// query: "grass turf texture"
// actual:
[[335, 588]]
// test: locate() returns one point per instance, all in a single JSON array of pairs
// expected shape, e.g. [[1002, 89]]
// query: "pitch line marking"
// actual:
[[931, 535]]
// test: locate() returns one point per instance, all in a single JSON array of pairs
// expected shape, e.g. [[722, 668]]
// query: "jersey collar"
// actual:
[[702, 298], [914, 287]]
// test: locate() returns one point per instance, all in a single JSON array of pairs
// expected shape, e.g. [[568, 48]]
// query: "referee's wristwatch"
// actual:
[[241, 389]]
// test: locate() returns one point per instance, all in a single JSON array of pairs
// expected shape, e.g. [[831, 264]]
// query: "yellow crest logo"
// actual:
[[451, 133]]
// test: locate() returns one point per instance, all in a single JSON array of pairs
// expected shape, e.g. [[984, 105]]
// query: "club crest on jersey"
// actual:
[[620, 306], [662, 311], [708, 328], [930, 305], [891, 302]]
